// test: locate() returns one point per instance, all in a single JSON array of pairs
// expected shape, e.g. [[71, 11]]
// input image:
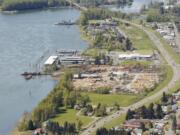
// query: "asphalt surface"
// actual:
[[176, 76], [177, 37]]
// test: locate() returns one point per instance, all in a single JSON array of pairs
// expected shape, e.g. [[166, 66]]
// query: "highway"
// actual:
[[177, 37], [176, 76]]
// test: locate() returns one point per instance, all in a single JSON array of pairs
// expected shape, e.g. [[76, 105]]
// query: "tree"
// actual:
[[30, 125], [97, 60], [164, 98], [83, 100], [151, 111], [116, 106], [72, 99], [159, 112], [129, 115], [143, 112], [104, 131], [143, 127], [30, 4], [83, 20], [174, 123], [100, 110], [161, 10], [79, 125], [128, 44]]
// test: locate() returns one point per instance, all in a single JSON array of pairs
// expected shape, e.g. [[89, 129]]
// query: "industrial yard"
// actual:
[[119, 79]]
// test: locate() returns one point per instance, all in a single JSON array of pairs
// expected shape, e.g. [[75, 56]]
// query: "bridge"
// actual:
[[72, 3]]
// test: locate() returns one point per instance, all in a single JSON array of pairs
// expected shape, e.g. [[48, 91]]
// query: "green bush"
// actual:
[[103, 90]]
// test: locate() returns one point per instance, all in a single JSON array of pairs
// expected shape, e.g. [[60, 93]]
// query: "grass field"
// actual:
[[169, 75], [71, 117], [175, 87], [115, 122], [138, 37], [132, 62], [109, 99]]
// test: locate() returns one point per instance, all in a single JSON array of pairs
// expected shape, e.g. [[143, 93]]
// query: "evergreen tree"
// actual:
[[151, 111], [174, 123], [30, 125], [143, 112], [159, 112], [79, 125], [164, 98], [129, 115]]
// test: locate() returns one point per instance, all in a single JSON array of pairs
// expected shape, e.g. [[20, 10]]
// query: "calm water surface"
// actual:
[[24, 38]]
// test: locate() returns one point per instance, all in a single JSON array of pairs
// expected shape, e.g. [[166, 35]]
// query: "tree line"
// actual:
[[67, 128], [153, 111], [63, 95], [150, 112], [10, 5], [104, 131], [99, 14], [95, 3], [112, 41]]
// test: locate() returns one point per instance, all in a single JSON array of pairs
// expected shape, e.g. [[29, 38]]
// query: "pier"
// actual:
[[67, 52], [30, 75], [68, 23]]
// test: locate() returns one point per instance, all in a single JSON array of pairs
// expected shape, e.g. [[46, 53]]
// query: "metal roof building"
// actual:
[[51, 60]]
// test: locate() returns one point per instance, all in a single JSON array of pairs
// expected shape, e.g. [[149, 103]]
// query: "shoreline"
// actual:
[[9, 12], [14, 130]]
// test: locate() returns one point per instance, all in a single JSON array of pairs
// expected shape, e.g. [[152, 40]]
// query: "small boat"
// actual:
[[31, 73], [65, 23], [28, 77]]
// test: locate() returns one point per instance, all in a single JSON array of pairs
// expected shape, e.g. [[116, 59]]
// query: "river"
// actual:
[[24, 38]]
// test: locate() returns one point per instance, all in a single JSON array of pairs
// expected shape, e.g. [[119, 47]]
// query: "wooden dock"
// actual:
[[30, 75]]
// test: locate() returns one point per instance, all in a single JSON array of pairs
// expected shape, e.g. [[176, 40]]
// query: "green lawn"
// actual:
[[91, 52], [175, 87], [171, 90], [110, 99], [162, 84], [132, 62], [169, 75], [138, 37], [115, 122], [70, 116]]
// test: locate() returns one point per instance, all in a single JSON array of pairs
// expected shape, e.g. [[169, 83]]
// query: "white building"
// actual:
[[77, 76], [51, 60], [135, 56], [72, 60]]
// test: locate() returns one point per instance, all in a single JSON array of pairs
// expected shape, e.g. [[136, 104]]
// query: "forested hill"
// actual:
[[10, 5], [89, 3]]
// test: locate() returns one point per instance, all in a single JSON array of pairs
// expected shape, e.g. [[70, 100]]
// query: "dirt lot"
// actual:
[[120, 79]]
